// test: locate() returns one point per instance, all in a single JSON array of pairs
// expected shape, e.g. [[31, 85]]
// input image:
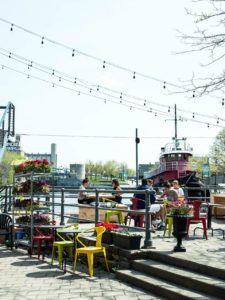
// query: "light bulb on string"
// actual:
[[121, 95], [28, 76], [223, 101], [169, 109], [103, 64], [193, 95], [10, 54], [121, 101], [11, 28], [78, 93], [150, 110], [53, 85], [193, 115], [2, 67], [156, 114], [90, 90], [145, 103], [218, 121], [73, 52], [42, 40], [134, 75], [31, 64], [75, 80], [97, 88], [164, 84], [105, 101], [60, 79], [208, 125], [131, 108], [53, 72]]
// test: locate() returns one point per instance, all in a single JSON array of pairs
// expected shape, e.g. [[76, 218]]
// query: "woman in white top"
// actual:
[[177, 188]]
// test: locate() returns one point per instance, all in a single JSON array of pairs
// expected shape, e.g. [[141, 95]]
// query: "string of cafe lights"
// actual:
[[79, 92], [90, 86], [104, 62], [106, 136]]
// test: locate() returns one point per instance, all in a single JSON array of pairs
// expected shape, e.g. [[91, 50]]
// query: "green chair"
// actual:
[[168, 221], [110, 213], [62, 244]]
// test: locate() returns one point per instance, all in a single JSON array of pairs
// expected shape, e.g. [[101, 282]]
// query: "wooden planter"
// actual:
[[128, 242]]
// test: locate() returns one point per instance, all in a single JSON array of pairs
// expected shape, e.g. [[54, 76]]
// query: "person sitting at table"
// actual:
[[83, 195], [117, 188], [177, 188], [169, 193]]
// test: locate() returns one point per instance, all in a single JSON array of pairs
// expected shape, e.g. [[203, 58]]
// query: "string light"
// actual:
[[164, 84], [13, 55], [73, 52], [10, 54], [134, 75], [104, 100], [218, 121], [169, 109], [42, 40], [90, 90], [131, 108], [97, 88], [223, 101], [78, 93], [103, 65], [145, 103], [75, 80], [193, 95], [208, 125], [28, 76], [11, 28], [60, 79], [53, 85], [193, 115], [155, 114], [53, 72]]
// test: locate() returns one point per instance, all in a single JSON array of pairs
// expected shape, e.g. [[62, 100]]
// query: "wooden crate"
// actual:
[[89, 214], [219, 211]]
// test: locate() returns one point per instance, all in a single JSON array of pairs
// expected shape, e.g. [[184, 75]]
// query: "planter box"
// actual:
[[107, 238], [127, 242]]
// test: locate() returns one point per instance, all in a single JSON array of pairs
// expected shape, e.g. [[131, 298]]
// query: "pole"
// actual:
[[62, 207], [137, 141], [175, 120], [97, 207], [148, 241]]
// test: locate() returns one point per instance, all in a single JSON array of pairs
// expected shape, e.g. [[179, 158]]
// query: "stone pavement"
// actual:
[[26, 278], [209, 252]]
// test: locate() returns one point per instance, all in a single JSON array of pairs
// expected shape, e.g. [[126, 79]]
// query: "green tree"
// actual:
[[6, 167], [196, 162], [217, 153]]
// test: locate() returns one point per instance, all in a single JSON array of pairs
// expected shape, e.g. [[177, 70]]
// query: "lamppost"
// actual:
[[215, 174]]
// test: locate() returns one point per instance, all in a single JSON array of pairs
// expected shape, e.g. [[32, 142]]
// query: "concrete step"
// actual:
[[187, 264], [189, 279], [160, 287]]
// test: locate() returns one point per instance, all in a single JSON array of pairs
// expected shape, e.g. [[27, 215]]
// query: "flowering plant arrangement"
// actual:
[[38, 166], [42, 218], [25, 187], [108, 226], [125, 232], [25, 203], [180, 208]]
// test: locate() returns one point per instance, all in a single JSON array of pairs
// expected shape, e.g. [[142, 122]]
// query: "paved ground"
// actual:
[[27, 278], [22, 277]]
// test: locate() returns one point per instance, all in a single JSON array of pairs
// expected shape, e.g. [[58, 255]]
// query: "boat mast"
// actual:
[[175, 121]]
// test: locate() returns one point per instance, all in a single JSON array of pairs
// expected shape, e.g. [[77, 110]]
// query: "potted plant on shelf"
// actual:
[[180, 211], [38, 166], [107, 236], [126, 239]]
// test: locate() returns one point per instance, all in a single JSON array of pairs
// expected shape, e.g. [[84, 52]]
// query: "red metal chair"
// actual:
[[197, 218], [42, 235], [139, 218]]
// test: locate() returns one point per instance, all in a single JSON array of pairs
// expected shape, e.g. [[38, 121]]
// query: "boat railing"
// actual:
[[180, 166]]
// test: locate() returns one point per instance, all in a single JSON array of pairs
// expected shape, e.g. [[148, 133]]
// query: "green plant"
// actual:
[[180, 208], [125, 232]]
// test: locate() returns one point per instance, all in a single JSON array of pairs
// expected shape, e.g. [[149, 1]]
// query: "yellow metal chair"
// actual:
[[63, 243], [168, 221], [91, 250]]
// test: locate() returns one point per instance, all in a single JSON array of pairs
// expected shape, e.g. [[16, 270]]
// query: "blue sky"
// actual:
[[141, 35]]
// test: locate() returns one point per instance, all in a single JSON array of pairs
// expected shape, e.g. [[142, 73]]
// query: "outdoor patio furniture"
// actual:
[[138, 218], [91, 250], [63, 244], [6, 227], [197, 217], [110, 213], [168, 221]]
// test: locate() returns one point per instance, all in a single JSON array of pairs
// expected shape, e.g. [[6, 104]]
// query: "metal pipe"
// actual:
[[62, 222], [97, 207], [148, 241]]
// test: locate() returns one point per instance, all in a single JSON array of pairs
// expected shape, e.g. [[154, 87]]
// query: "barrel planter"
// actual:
[[107, 237]]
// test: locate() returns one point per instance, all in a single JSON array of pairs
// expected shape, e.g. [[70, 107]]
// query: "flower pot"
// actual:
[[127, 241], [107, 237], [179, 231]]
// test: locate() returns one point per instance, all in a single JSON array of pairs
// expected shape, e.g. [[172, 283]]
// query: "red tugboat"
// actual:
[[174, 160]]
